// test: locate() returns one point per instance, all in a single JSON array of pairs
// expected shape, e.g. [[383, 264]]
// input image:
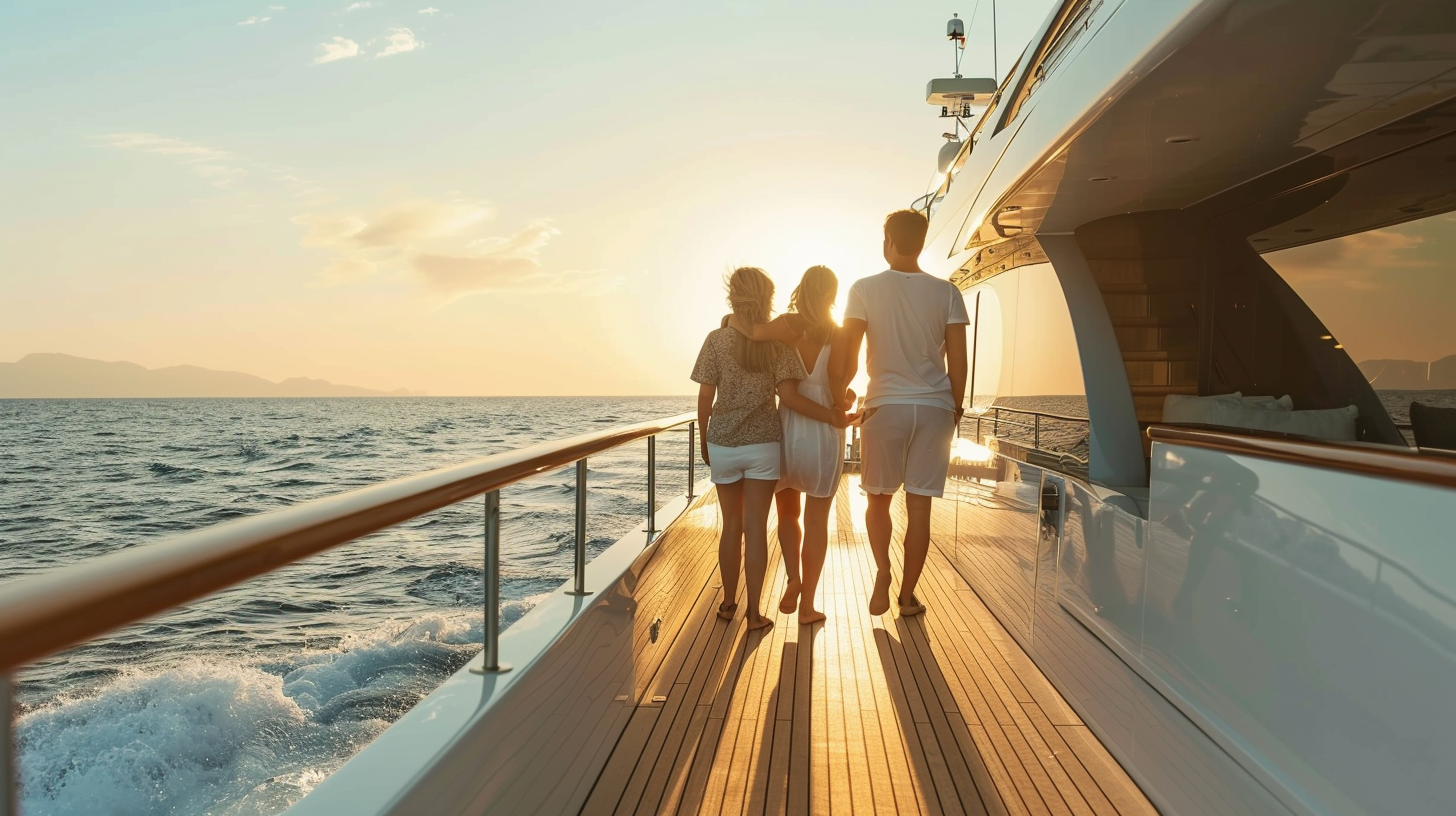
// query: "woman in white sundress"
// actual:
[[813, 450]]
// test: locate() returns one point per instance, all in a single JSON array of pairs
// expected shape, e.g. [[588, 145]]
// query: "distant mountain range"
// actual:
[[56, 376], [1409, 375]]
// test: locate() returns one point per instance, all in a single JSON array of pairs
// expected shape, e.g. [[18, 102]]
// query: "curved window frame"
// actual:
[[1054, 45]]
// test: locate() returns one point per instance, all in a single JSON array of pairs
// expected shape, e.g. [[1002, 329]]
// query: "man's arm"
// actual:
[[955, 364], [844, 357], [706, 393]]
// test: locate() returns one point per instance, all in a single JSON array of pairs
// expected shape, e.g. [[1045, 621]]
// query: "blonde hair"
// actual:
[[750, 294], [813, 299]]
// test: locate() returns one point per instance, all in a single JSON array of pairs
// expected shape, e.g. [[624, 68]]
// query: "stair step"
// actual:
[[1140, 321], [1160, 355], [1147, 288]]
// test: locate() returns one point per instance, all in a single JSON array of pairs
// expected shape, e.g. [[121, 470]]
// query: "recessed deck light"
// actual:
[[1339, 345], [1327, 337], [1011, 208], [1102, 178], [1260, 240], [1180, 139], [1305, 229]]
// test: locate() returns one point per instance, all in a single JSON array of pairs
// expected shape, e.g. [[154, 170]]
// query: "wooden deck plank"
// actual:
[[941, 713]]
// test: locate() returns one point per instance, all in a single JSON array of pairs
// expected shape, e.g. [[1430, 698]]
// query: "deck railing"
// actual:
[[1029, 423], [46, 613]]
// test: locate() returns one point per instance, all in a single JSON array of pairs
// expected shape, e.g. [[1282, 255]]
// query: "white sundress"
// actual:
[[813, 452]]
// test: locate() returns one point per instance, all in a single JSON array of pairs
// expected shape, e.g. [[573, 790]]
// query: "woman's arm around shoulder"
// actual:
[[790, 398]]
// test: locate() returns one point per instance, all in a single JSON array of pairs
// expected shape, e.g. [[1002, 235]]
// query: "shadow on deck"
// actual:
[[938, 714]]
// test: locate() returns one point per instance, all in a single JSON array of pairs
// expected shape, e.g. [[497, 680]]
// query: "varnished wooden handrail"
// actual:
[[45, 613], [1407, 465]]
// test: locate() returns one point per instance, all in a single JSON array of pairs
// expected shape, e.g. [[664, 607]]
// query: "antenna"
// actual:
[[955, 31], [995, 49]]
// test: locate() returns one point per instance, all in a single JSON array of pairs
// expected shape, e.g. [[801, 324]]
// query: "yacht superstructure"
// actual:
[[1180, 615]]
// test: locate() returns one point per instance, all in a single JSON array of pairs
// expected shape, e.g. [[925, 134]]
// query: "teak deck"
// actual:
[[943, 713]]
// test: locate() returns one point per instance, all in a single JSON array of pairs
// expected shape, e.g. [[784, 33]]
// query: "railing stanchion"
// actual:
[[692, 455], [580, 587], [1036, 431], [10, 784], [491, 655], [651, 486]]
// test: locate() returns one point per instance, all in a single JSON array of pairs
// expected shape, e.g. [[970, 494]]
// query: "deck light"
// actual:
[[1102, 178], [1181, 139]]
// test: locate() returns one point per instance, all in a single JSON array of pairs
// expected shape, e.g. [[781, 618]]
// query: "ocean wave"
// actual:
[[208, 734]]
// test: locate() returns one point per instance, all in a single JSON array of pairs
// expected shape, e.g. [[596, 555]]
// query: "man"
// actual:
[[915, 325]]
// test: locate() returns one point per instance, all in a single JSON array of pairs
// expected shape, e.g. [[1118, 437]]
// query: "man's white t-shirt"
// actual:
[[905, 314]]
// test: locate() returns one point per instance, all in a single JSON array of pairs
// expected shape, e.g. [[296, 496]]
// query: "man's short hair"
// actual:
[[906, 230]]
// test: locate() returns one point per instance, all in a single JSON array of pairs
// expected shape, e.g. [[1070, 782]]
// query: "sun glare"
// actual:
[[964, 450]]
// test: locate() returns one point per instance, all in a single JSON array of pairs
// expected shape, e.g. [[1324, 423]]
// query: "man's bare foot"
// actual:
[[790, 601], [880, 597], [911, 608], [809, 614], [759, 622], [726, 610]]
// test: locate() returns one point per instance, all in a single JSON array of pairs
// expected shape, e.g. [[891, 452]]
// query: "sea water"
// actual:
[[240, 703]]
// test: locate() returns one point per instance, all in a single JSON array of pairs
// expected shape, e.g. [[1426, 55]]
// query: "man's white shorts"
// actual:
[[906, 445], [729, 465]]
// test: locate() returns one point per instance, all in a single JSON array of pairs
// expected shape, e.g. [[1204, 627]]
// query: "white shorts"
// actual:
[[729, 465], [909, 445]]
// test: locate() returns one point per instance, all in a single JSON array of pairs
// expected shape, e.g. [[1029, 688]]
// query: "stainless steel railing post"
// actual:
[[1036, 431], [651, 486], [580, 588], [491, 655], [10, 783], [692, 454]]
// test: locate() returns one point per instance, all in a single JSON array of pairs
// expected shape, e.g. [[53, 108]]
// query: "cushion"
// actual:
[[1433, 427], [1284, 403], [1180, 408], [1334, 424]]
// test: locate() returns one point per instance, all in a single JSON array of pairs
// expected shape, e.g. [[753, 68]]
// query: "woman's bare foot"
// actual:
[[809, 614], [880, 597], [726, 610], [911, 608], [759, 622], [790, 601]]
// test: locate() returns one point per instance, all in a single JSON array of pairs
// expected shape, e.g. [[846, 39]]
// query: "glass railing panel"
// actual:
[[1304, 617]]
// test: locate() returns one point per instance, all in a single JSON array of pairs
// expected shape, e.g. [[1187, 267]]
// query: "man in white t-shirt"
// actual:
[[915, 325]]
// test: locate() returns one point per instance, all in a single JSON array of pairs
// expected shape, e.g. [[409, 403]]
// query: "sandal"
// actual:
[[726, 610], [911, 609]]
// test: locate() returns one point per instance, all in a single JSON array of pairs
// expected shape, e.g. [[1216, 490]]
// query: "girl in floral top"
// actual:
[[741, 433]]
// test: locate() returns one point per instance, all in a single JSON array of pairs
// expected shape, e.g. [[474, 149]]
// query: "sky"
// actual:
[[497, 198], [481, 198]]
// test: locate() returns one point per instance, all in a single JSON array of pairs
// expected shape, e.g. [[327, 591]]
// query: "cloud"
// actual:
[[260, 19], [399, 226], [357, 6], [401, 41], [339, 48], [219, 166], [430, 10], [440, 244], [1353, 262]]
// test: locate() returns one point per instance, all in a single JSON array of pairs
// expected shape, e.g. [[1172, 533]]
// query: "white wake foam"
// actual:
[[214, 736]]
